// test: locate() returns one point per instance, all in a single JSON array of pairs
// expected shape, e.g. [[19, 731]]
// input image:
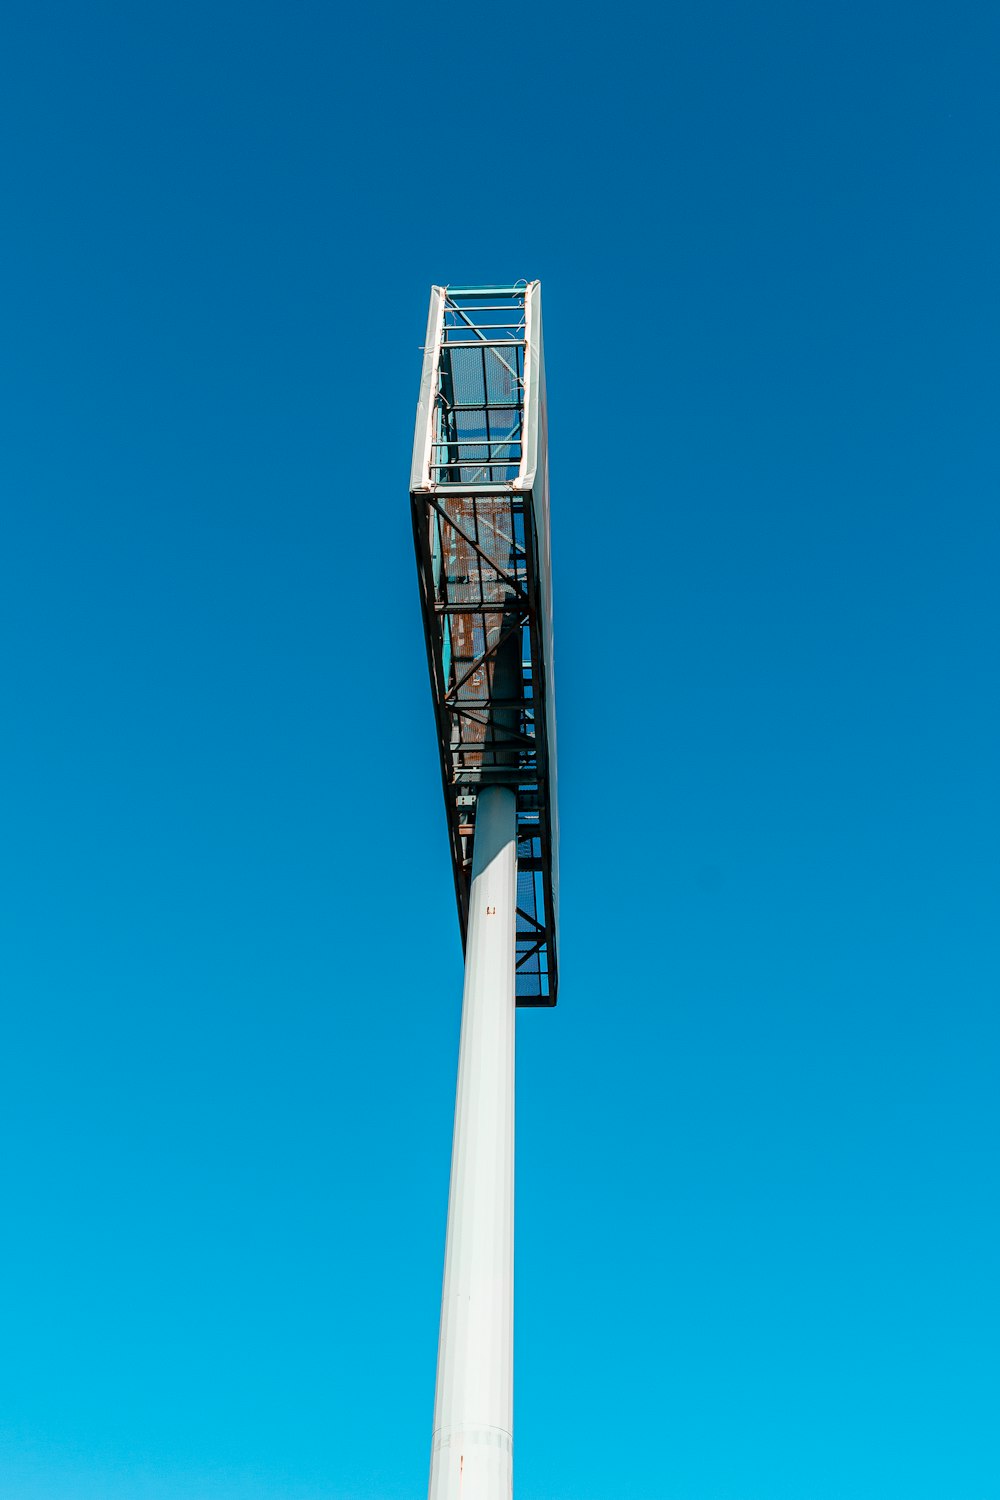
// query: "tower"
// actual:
[[480, 507]]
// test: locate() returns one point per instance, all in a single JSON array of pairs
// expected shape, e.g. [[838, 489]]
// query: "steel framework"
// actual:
[[479, 500]]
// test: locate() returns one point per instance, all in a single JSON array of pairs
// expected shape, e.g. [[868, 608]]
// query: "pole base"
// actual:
[[472, 1463]]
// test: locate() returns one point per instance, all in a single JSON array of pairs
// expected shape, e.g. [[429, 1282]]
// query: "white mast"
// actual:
[[471, 1449]]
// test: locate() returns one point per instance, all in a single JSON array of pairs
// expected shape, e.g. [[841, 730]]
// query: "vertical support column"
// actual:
[[471, 1449]]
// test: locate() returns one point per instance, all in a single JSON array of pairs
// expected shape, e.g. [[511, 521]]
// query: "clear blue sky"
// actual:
[[758, 1222]]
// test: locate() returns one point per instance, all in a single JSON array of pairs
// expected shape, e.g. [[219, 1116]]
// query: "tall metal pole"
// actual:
[[471, 1449]]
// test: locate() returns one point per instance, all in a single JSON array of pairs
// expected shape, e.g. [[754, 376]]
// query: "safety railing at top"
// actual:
[[479, 401]]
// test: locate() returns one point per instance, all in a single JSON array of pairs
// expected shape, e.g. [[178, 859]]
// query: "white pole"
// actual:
[[471, 1449]]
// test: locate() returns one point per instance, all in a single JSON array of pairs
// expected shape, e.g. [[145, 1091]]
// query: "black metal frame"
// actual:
[[476, 541]]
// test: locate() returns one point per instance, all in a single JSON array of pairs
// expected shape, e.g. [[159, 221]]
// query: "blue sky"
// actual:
[[757, 1204]]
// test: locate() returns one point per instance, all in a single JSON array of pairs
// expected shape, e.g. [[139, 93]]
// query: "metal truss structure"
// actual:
[[479, 496]]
